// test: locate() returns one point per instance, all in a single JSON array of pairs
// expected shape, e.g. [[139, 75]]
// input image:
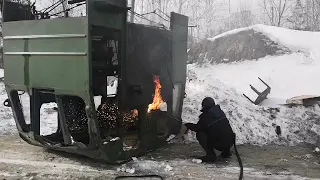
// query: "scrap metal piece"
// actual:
[[304, 100], [261, 95]]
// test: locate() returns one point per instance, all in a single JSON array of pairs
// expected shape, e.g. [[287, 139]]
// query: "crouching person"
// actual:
[[213, 131]]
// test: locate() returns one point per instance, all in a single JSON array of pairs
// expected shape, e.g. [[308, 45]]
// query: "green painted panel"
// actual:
[[77, 25], [46, 45], [49, 54], [68, 73], [14, 70]]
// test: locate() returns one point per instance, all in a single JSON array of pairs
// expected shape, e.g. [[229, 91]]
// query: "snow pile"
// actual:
[[252, 124], [7, 126], [289, 75], [145, 166], [297, 41], [236, 46], [293, 39]]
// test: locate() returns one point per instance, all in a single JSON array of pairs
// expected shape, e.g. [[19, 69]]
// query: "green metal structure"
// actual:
[[68, 61]]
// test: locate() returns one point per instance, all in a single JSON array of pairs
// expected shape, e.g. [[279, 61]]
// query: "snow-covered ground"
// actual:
[[288, 75], [252, 124]]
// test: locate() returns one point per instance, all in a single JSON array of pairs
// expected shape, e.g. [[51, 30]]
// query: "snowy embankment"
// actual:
[[252, 124], [288, 75]]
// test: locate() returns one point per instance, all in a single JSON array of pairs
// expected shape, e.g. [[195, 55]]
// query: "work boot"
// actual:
[[209, 158], [226, 154]]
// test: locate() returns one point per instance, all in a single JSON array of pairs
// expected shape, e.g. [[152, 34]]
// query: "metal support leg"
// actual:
[[254, 89], [62, 121], [35, 106]]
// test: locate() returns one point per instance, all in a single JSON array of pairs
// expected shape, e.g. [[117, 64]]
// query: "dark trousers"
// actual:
[[208, 144]]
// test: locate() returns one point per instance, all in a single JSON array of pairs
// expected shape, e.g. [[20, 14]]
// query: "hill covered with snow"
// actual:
[[289, 74]]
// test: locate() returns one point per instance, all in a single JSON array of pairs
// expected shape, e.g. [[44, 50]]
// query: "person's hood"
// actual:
[[207, 108]]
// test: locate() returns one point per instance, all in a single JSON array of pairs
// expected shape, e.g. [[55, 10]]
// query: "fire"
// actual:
[[157, 99]]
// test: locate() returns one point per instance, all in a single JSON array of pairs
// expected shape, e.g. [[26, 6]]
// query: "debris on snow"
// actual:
[[251, 123], [171, 137], [151, 166], [316, 150], [307, 156], [114, 139], [290, 75], [168, 168], [284, 160], [316, 128], [131, 171], [278, 130], [198, 161], [127, 170]]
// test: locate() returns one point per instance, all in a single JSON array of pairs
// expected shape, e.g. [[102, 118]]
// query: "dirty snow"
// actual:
[[293, 39], [252, 124], [288, 75]]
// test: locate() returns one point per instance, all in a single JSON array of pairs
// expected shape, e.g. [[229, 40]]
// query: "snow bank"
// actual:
[[234, 31], [287, 37], [7, 125], [294, 39], [251, 123], [289, 75], [236, 46], [306, 41]]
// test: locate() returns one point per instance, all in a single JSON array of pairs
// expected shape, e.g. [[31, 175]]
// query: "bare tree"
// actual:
[[276, 10], [298, 19], [202, 13], [242, 18], [312, 11]]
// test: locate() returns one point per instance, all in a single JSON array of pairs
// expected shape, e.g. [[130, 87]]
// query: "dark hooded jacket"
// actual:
[[214, 122]]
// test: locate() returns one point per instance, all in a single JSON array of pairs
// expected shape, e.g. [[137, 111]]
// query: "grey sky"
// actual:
[[253, 4]]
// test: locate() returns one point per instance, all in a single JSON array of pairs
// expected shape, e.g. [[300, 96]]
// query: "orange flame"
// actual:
[[157, 99]]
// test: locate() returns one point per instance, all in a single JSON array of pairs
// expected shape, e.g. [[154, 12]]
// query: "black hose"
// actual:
[[234, 145], [235, 149], [238, 157], [7, 103], [140, 176]]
